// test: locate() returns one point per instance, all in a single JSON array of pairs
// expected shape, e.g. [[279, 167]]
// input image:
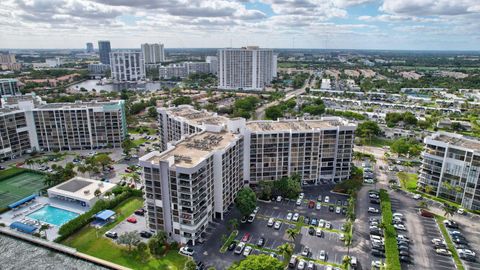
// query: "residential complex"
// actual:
[[127, 66], [248, 68], [182, 70], [213, 61], [9, 87], [98, 70], [104, 50], [27, 124], [153, 53], [451, 168], [207, 158], [9, 62]]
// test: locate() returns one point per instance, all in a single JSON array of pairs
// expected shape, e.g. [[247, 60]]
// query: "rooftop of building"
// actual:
[[197, 117], [192, 150], [82, 188], [78, 104], [457, 140], [297, 124]]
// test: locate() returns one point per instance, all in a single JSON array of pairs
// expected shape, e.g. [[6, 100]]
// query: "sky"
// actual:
[[320, 24]]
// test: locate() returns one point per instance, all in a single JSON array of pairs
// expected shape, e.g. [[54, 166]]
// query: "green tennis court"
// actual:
[[19, 186]]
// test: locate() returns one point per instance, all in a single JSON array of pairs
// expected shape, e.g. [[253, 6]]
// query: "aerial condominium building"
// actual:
[[451, 168], [104, 50], [153, 53], [194, 181], [127, 66], [59, 126], [9, 87], [249, 68], [227, 154]]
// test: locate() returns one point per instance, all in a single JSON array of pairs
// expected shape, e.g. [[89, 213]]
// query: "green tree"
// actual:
[[368, 129], [258, 262], [190, 265], [233, 223], [273, 112], [152, 112], [130, 239], [155, 246], [97, 193], [142, 252], [103, 159], [292, 233], [246, 201], [127, 146], [286, 250], [182, 100], [449, 210]]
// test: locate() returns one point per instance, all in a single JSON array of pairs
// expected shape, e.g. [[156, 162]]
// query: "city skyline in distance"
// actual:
[[329, 24]]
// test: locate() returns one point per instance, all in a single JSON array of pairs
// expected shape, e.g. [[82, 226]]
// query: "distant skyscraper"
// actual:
[[89, 47], [104, 50], [213, 60], [127, 66], [153, 53], [249, 68]]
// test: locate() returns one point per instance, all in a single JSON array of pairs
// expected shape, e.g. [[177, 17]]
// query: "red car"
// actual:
[[246, 237], [132, 220]]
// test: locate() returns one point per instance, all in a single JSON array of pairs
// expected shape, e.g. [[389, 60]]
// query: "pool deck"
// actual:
[[21, 214]]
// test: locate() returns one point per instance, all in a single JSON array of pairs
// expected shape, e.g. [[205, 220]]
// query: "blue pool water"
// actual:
[[53, 215]]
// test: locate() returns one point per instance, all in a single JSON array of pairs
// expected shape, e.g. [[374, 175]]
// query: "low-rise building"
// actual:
[[451, 168], [83, 191]]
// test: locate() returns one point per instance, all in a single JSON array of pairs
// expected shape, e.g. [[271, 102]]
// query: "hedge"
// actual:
[[391, 248], [82, 220]]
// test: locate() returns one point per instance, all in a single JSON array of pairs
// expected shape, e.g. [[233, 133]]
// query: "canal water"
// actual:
[[92, 84], [19, 255]]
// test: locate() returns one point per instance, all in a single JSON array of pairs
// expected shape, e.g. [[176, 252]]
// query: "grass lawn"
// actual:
[[142, 129], [86, 241], [138, 142], [408, 180]]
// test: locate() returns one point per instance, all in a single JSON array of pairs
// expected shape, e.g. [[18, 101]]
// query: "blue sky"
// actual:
[[330, 24]]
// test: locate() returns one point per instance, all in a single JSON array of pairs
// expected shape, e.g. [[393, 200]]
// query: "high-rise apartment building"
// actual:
[[104, 51], [451, 168], [249, 68], [89, 47], [207, 158], [153, 53], [182, 70], [127, 66], [9, 87], [28, 123], [213, 61], [9, 62]]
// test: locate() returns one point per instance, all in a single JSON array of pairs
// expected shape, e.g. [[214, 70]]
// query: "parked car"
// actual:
[[239, 248], [319, 232], [279, 198], [140, 212], [111, 234], [246, 237], [311, 265], [327, 199], [405, 259], [321, 223], [261, 242], [232, 246], [319, 198], [331, 208], [306, 220], [251, 218], [299, 202], [328, 225], [132, 220], [277, 225], [400, 227], [301, 265], [293, 261], [444, 252], [289, 216], [323, 255], [318, 206], [377, 253], [243, 219], [270, 222], [314, 222], [146, 234], [311, 230], [306, 251], [187, 251], [247, 251]]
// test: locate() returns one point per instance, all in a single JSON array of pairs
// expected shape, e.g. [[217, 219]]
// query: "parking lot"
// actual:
[[126, 226], [330, 242]]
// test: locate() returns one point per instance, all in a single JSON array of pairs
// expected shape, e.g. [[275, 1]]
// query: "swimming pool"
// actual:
[[53, 215]]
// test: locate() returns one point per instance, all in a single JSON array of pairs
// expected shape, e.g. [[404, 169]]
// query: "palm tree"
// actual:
[[449, 210], [82, 169], [161, 236], [286, 250], [233, 223], [30, 162], [423, 204], [292, 233]]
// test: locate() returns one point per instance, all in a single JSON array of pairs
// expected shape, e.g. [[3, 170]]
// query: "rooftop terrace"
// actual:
[[296, 124], [197, 117], [458, 140], [194, 149]]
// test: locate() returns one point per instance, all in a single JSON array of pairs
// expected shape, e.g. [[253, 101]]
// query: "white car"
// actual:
[[318, 206], [466, 252], [279, 198], [377, 264], [328, 225], [239, 248], [444, 252], [299, 202], [321, 223], [270, 222], [186, 251], [438, 241], [247, 250], [256, 209], [461, 211], [327, 199], [319, 232], [295, 217], [376, 238], [323, 255], [342, 237], [372, 210], [289, 216], [400, 227], [301, 195], [338, 210], [277, 225], [397, 215], [403, 238], [301, 265], [417, 196]]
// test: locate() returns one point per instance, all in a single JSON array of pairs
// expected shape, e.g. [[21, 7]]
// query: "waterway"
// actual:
[[149, 86], [19, 255]]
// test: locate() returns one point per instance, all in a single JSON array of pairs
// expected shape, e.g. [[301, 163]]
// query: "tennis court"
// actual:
[[19, 186]]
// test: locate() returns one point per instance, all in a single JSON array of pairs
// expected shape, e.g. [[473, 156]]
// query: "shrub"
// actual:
[[391, 249]]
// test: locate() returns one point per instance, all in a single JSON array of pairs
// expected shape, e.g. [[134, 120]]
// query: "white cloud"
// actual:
[[430, 7]]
